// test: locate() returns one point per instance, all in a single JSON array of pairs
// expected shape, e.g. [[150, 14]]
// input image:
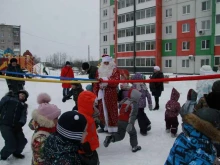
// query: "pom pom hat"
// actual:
[[106, 58], [71, 125], [43, 98]]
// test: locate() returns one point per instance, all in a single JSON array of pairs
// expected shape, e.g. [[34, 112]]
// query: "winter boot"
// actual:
[[173, 135], [156, 107], [167, 130], [149, 127], [143, 133], [108, 140], [135, 149], [101, 130], [19, 156], [2, 158]]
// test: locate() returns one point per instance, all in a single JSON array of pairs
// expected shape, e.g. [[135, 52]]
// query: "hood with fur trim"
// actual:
[[203, 126], [41, 120]]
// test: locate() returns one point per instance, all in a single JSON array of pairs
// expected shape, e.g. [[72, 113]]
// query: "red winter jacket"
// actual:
[[67, 72], [123, 113]]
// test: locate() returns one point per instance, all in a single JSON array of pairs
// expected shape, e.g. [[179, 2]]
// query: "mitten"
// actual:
[[150, 107], [87, 149], [129, 127]]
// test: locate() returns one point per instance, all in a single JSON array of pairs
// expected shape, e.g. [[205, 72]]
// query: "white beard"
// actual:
[[106, 70]]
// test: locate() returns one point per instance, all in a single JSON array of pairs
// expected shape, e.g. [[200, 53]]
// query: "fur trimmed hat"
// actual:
[[106, 58], [71, 125], [25, 93]]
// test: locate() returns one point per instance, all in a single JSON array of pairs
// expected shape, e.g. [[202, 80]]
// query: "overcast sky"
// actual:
[[75, 23]]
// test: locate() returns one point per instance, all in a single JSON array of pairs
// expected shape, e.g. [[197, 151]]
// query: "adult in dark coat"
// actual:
[[91, 71], [13, 116], [14, 85], [156, 87]]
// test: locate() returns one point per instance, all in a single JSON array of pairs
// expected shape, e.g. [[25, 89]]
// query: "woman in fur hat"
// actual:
[[44, 123]]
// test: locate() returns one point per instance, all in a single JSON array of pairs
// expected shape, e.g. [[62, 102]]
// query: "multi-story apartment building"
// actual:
[[178, 35], [10, 38]]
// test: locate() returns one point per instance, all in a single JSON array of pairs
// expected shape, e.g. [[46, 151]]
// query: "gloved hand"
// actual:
[[129, 127], [87, 149], [150, 106], [17, 128], [64, 99]]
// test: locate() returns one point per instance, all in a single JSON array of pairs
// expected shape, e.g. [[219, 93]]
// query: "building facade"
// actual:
[[178, 35], [10, 38]]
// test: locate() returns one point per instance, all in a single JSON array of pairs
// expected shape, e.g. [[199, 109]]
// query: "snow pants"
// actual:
[[14, 142], [118, 136], [143, 120], [172, 124]]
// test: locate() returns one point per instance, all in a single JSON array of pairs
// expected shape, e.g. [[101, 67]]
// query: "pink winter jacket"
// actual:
[[173, 106]]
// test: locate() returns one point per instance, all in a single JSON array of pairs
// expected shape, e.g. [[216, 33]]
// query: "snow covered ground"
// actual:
[[155, 146]]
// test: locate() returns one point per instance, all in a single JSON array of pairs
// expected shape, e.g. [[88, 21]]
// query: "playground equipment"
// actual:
[[26, 61], [39, 69]]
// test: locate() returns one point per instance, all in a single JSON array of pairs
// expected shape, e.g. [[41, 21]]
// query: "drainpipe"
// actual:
[[134, 36], [212, 43]]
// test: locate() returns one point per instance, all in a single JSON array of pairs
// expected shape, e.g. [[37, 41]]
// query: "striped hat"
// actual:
[[71, 125]]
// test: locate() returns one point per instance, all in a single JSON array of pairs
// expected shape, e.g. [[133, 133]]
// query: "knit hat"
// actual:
[[216, 86], [157, 68], [67, 63], [25, 93], [85, 65], [13, 60], [106, 58], [192, 95], [71, 125], [206, 70], [50, 111], [43, 98], [137, 76]]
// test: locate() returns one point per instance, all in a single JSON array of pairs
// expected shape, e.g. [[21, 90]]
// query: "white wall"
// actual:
[[146, 21], [145, 37], [145, 5], [173, 35], [174, 13], [199, 26], [182, 16], [125, 39]]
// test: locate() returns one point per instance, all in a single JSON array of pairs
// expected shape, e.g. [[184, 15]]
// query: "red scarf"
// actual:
[[50, 130]]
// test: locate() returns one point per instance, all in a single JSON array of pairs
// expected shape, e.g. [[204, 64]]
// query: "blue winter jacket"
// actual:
[[191, 148]]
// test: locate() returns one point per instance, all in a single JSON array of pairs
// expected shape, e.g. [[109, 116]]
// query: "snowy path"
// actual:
[[155, 146]]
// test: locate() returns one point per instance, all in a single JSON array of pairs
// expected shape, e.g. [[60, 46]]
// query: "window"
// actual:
[[217, 40], [217, 0], [141, 1], [121, 62], [150, 12], [217, 61], [2, 35], [129, 17], [185, 63], [168, 29], [140, 46], [168, 47], [150, 29], [124, 3], [121, 33], [121, 48], [2, 41], [168, 63], [105, 25], [150, 45], [129, 32], [186, 9], [129, 47], [150, 61], [204, 62], [105, 51], [129, 3], [121, 18], [205, 44], [206, 5], [113, 36], [185, 28], [105, 38], [140, 62], [104, 1], [129, 62], [168, 12], [185, 45], [217, 18], [105, 13], [206, 25]]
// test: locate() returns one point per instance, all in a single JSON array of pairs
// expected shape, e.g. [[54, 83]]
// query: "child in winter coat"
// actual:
[[61, 148], [171, 113], [126, 120], [195, 144], [44, 121], [13, 116], [143, 121], [75, 91], [87, 106], [189, 105]]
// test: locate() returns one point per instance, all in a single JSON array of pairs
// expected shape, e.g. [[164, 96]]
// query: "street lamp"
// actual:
[[193, 58]]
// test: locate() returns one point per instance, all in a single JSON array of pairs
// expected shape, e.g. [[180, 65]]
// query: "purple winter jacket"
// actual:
[[145, 94], [173, 106]]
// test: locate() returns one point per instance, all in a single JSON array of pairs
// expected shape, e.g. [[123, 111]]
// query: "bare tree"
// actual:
[[57, 60]]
